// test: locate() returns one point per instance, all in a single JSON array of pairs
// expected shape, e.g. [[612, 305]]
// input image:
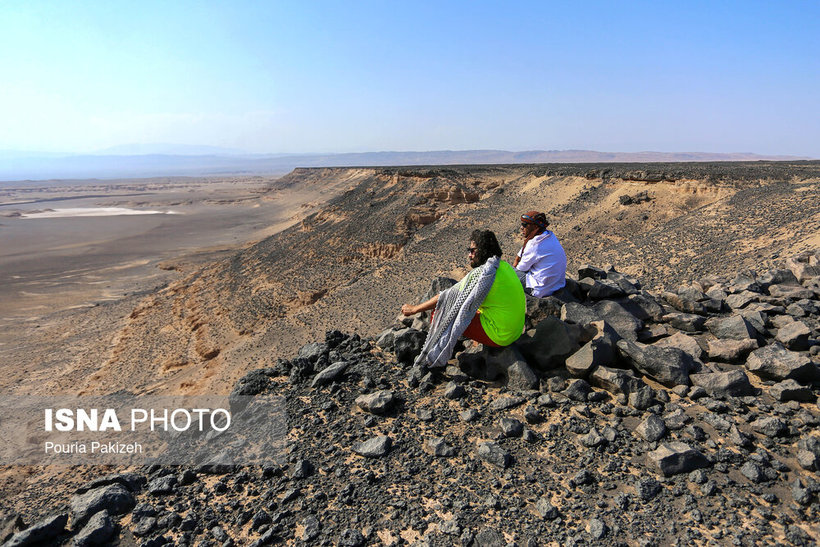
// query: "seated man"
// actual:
[[541, 262], [487, 306]]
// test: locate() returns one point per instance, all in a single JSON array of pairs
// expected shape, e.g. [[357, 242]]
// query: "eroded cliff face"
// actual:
[[389, 230]]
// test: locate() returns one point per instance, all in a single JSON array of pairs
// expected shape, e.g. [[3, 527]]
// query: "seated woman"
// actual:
[[541, 262], [487, 306]]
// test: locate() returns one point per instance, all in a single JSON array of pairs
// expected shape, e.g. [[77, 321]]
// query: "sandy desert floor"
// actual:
[[53, 259]]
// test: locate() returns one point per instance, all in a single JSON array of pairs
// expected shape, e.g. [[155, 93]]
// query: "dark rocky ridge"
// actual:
[[594, 450]]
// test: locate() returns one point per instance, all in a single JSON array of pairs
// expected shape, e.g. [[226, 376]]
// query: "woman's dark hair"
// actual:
[[486, 246]]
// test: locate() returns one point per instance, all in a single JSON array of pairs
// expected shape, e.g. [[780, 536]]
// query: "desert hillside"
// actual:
[[376, 245], [670, 394]]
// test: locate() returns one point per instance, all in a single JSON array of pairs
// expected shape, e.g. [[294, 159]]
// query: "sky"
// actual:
[[361, 76]]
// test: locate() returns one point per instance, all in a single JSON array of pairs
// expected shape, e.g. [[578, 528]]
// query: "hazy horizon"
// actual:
[[333, 78]]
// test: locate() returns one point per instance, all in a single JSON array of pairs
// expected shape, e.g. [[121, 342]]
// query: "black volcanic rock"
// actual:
[[669, 366], [732, 383], [774, 362], [44, 531], [676, 457], [114, 498]]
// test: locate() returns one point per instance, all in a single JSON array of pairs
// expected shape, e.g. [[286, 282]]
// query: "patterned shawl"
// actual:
[[455, 309]]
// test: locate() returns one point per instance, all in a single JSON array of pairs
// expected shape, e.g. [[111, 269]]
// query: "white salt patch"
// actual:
[[93, 212]]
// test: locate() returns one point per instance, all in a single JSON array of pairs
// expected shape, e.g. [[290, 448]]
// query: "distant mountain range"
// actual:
[[133, 161]]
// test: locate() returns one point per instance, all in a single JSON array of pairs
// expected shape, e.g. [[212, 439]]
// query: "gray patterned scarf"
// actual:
[[455, 309]]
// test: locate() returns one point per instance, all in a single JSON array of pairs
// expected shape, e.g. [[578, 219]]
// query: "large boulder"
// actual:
[[687, 322], [539, 309], [599, 289], [114, 498], [598, 351], [45, 531], [805, 265], [614, 380], [669, 366], [789, 390], [683, 342], [549, 344], [643, 306], [579, 314], [98, 531], [734, 327], [485, 363], [777, 277], [731, 350], [794, 336], [407, 345], [774, 362], [733, 383], [619, 318], [683, 304]]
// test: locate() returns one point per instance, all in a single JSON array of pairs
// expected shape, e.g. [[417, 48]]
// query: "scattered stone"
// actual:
[[351, 538], [511, 427], [532, 415], [162, 485], [492, 453], [521, 377], [673, 458], [546, 509], [454, 391], [597, 529], [330, 373], [647, 488], [770, 426], [642, 398], [751, 471], [438, 447], [424, 414], [489, 538], [615, 381], [373, 448], [377, 403], [507, 401], [311, 528], [651, 429], [592, 439], [578, 390], [302, 469], [789, 390], [469, 415]]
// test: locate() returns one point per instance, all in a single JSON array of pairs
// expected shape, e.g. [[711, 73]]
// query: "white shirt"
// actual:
[[545, 262]]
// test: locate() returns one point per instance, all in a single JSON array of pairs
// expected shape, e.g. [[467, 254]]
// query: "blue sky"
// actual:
[[291, 77]]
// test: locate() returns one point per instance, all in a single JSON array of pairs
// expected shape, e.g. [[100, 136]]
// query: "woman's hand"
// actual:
[[409, 310]]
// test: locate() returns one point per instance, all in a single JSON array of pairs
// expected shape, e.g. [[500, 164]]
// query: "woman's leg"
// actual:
[[476, 332]]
